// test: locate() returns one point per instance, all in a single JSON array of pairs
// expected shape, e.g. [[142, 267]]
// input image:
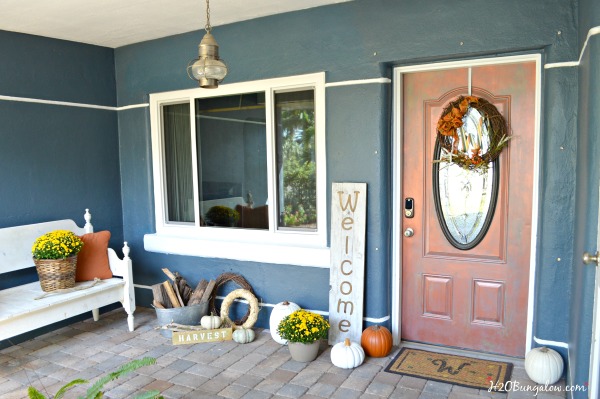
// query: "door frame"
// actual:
[[397, 195], [594, 373]]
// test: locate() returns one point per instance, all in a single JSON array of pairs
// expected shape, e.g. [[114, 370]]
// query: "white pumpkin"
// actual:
[[280, 310], [347, 354], [243, 335], [210, 322], [544, 365]]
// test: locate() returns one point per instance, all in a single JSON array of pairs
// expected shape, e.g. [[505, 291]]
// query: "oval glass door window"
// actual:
[[465, 199]]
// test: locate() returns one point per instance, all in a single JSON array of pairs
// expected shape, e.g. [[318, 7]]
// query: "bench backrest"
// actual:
[[16, 242]]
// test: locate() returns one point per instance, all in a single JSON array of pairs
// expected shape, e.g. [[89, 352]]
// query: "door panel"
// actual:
[[477, 298]]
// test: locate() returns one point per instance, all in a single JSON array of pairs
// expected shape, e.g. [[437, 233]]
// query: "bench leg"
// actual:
[[96, 314], [130, 321]]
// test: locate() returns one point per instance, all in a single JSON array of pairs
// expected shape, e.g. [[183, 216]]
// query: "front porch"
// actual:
[[261, 369]]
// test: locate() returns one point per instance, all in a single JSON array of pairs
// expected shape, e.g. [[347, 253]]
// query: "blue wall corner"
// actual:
[[58, 159]]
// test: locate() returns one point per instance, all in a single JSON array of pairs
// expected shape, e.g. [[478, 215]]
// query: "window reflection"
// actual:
[[296, 165], [232, 161], [465, 199]]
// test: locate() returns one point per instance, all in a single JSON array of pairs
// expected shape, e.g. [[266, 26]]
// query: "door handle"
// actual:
[[409, 232], [588, 258]]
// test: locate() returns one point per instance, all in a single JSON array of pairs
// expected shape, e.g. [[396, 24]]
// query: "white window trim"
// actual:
[[293, 247]]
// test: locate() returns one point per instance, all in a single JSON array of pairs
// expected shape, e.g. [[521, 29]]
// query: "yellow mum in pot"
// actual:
[[303, 326]]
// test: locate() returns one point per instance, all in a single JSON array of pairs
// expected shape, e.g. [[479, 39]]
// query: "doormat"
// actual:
[[457, 370]]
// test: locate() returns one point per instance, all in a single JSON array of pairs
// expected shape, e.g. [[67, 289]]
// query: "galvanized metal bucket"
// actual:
[[187, 315]]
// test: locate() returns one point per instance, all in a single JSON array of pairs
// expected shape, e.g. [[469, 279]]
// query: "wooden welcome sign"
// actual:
[[346, 278]]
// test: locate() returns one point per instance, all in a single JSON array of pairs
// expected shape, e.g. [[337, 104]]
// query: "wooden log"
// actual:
[[198, 292], [202, 286], [176, 289], [157, 293], [208, 291], [168, 303], [186, 294], [168, 273], [184, 289], [157, 304], [161, 296], [180, 286], [171, 294]]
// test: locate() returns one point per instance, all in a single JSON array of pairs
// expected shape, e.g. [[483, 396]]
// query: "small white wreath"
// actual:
[[252, 302]]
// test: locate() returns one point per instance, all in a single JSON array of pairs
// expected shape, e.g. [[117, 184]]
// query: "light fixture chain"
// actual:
[[207, 27]]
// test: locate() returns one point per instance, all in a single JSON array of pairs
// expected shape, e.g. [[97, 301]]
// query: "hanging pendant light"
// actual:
[[208, 70]]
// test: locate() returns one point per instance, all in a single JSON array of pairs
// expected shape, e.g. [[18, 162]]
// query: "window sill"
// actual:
[[244, 251]]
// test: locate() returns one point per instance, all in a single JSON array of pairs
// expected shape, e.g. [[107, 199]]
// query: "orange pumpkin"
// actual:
[[376, 341]]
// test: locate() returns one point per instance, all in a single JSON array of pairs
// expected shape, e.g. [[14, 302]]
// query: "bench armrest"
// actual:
[[123, 268]]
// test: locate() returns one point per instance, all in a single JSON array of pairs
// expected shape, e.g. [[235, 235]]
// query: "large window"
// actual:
[[244, 163]]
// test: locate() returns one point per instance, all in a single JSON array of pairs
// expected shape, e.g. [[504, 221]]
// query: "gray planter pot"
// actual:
[[304, 352]]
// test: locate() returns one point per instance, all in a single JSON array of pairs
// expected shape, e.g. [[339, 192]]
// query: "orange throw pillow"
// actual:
[[92, 260]]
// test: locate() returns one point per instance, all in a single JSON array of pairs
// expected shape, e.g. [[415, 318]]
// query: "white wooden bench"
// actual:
[[21, 312]]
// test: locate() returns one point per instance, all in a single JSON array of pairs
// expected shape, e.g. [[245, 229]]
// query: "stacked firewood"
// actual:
[[176, 293]]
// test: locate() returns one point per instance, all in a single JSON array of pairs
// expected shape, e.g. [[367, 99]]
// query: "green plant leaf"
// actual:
[[94, 390], [34, 393], [61, 392]]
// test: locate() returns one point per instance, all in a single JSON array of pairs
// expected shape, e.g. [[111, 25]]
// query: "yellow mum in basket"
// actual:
[[58, 244]]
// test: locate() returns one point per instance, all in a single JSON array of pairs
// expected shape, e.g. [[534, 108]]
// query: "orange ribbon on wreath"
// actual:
[[452, 120]]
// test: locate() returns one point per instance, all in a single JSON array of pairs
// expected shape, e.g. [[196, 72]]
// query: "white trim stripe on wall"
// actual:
[[358, 82], [592, 32], [545, 342], [145, 105], [271, 305], [51, 102]]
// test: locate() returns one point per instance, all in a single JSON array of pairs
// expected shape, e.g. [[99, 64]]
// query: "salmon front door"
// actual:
[[467, 296]]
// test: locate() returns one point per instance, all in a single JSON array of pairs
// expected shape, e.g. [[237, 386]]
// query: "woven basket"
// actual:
[[56, 274]]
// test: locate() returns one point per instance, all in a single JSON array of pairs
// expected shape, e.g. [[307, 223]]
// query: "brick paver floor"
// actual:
[[257, 370]]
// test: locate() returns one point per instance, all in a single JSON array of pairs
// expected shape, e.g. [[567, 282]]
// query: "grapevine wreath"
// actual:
[[449, 127], [222, 280], [253, 308]]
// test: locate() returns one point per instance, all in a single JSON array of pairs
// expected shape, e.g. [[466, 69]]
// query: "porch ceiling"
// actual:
[[116, 23]]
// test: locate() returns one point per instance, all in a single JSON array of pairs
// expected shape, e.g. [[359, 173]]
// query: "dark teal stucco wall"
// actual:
[[58, 160], [556, 204], [57, 70], [355, 40], [364, 40], [589, 17]]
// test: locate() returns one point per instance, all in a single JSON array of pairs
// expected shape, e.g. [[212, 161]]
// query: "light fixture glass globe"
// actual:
[[209, 69]]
